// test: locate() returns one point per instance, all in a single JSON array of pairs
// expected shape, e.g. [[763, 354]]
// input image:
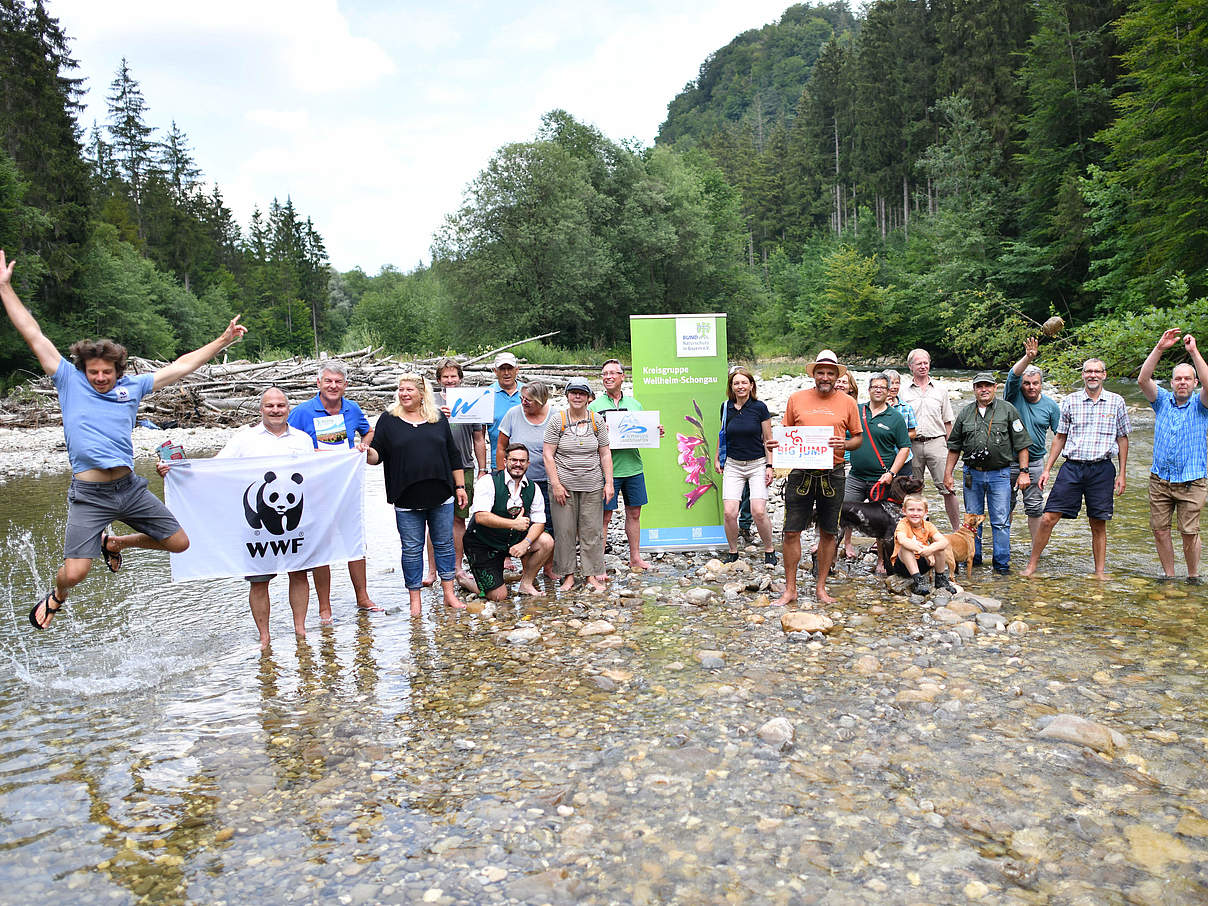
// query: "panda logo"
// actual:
[[274, 504]]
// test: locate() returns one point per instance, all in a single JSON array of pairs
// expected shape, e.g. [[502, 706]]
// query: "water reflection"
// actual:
[[150, 753]]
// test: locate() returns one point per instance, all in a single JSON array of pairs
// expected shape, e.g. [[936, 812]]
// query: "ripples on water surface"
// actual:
[[148, 753]]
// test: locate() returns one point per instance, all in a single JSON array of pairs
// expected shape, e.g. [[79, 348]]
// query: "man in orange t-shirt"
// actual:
[[816, 495]]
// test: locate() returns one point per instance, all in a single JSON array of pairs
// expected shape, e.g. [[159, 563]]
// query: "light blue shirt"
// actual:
[[97, 426], [1180, 438], [503, 402], [1039, 417]]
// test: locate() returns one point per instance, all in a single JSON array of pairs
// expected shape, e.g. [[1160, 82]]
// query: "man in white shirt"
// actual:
[[507, 518], [273, 436]]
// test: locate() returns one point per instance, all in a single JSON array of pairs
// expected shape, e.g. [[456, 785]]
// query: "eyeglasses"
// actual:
[[1094, 371]]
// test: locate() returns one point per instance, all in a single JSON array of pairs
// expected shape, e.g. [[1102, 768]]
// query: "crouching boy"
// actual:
[[918, 546]]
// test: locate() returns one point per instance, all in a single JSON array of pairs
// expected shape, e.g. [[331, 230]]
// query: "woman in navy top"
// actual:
[[747, 426]]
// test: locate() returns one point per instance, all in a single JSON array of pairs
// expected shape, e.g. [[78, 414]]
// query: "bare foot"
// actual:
[[1028, 571], [850, 553], [300, 633], [451, 600], [264, 642], [823, 596], [596, 584], [325, 618], [567, 584], [429, 580], [785, 599], [549, 573], [466, 581], [415, 610], [1101, 577], [638, 563], [526, 589]]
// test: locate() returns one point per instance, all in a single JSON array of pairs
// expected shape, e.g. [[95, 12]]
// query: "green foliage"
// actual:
[[990, 330], [543, 353]]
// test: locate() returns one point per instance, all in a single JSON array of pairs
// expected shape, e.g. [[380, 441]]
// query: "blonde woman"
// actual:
[[414, 444]]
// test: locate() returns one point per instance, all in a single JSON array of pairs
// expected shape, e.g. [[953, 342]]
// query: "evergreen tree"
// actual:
[[133, 147]]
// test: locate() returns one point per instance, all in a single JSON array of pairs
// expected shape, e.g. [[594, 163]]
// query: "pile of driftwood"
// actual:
[[228, 392]]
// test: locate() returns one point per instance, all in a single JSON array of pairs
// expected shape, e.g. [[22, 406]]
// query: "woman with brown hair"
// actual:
[[746, 424]]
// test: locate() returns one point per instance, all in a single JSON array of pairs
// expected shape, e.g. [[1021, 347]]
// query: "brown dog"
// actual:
[[960, 543]]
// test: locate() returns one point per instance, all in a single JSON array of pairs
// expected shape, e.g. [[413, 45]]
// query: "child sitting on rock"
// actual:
[[919, 546]]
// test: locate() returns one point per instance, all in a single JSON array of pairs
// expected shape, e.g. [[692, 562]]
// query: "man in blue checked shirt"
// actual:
[[1178, 480], [1092, 428]]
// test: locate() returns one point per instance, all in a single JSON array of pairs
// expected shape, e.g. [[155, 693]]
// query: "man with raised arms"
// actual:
[[816, 495], [100, 405], [1177, 482]]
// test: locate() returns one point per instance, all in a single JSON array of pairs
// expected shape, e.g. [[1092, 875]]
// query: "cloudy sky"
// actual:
[[374, 115]]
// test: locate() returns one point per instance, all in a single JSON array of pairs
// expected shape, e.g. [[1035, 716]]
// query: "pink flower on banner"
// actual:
[[694, 458]]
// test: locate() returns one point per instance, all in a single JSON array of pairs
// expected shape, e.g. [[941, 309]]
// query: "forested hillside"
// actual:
[[924, 172], [115, 231]]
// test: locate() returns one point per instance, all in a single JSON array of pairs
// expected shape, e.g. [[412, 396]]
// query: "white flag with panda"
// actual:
[[264, 515]]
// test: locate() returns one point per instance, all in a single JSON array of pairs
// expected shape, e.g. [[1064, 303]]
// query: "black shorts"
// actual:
[[814, 496], [486, 564], [900, 570], [1096, 481]]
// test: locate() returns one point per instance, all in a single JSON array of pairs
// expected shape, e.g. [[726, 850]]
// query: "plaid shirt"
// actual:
[[1092, 426], [907, 412], [1180, 451]]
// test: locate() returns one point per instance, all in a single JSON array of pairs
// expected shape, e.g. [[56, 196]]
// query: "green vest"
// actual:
[[502, 539]]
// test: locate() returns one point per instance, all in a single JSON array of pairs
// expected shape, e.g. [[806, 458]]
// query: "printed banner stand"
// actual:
[[680, 369]]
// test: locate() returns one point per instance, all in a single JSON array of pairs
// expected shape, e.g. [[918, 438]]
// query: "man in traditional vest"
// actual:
[[507, 518]]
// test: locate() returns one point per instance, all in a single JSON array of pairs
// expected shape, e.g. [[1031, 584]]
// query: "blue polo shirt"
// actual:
[[97, 426], [1180, 438], [744, 429], [503, 402], [1038, 417], [330, 432]]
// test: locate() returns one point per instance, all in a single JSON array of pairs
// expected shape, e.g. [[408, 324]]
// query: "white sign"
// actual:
[[470, 405], [261, 515], [695, 336], [632, 430], [803, 447]]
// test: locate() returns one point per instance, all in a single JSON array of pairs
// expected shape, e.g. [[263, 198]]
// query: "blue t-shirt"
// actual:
[[503, 402], [1038, 417], [330, 432], [97, 426], [1180, 438], [744, 429]]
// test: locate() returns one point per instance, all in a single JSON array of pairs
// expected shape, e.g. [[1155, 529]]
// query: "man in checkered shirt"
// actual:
[[1093, 428]]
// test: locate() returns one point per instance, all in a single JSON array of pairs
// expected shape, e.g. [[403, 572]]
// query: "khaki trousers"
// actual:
[[578, 525]]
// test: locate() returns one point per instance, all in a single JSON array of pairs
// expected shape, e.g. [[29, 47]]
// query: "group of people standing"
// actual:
[[539, 486]]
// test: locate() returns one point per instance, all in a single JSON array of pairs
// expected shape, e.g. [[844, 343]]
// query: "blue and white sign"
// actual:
[[632, 430], [470, 405]]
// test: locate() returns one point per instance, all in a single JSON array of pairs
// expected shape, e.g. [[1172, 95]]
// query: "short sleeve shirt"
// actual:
[[888, 431], [521, 431], [925, 534], [463, 437], [1180, 438], [625, 463], [97, 426], [330, 432], [577, 457], [836, 411], [999, 430], [932, 408], [257, 440], [503, 402], [1092, 426], [744, 429], [1039, 417]]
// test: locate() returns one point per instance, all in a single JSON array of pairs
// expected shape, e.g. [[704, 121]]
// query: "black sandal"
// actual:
[[50, 611], [113, 559]]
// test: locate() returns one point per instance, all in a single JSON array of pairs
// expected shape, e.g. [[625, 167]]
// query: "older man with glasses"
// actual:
[[1092, 428]]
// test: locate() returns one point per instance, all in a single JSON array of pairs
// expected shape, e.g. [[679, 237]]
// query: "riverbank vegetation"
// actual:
[[938, 173]]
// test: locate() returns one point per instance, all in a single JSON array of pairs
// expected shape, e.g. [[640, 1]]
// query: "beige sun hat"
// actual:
[[826, 357]]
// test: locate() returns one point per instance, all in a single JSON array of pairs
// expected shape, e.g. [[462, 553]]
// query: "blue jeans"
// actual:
[[411, 525], [991, 491]]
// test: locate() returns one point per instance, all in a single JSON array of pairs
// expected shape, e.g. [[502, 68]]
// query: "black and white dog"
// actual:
[[880, 519]]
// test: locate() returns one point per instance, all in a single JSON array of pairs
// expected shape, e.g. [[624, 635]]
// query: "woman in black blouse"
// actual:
[[414, 444]]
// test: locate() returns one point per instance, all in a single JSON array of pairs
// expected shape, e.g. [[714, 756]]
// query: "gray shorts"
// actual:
[[1033, 497], [92, 505]]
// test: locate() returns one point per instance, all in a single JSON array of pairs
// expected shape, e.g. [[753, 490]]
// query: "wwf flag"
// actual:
[[264, 515]]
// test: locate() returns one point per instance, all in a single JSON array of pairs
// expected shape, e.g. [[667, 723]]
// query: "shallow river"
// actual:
[[150, 754]]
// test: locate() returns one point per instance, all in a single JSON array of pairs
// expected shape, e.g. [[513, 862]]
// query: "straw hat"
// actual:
[[826, 357]]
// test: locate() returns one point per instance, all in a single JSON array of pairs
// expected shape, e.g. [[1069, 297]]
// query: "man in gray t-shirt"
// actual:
[[471, 443]]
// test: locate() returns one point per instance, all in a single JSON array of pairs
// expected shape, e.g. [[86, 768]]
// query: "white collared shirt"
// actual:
[[257, 440], [484, 496]]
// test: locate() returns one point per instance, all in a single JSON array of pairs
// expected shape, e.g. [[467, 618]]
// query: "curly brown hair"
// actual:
[[83, 351]]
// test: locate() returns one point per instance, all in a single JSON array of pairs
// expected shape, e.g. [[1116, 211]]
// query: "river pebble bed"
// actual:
[[676, 739]]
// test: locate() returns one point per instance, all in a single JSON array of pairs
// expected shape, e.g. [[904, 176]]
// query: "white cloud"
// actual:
[[281, 120]]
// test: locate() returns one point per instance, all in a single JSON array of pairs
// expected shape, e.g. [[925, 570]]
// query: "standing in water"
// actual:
[[100, 405]]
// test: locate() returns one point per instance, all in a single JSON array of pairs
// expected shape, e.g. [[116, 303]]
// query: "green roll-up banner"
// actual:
[[680, 369]]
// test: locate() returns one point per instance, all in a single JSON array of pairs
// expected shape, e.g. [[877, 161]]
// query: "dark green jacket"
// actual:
[[1000, 430]]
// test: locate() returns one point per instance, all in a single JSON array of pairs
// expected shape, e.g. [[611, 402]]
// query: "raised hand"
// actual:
[[1188, 341], [1031, 347], [1170, 338]]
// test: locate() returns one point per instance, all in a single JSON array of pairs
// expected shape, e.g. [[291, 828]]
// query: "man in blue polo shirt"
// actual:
[[1178, 480], [1040, 414], [506, 393], [333, 423]]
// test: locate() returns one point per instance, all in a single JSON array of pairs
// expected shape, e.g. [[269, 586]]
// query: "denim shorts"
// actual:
[[92, 505]]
